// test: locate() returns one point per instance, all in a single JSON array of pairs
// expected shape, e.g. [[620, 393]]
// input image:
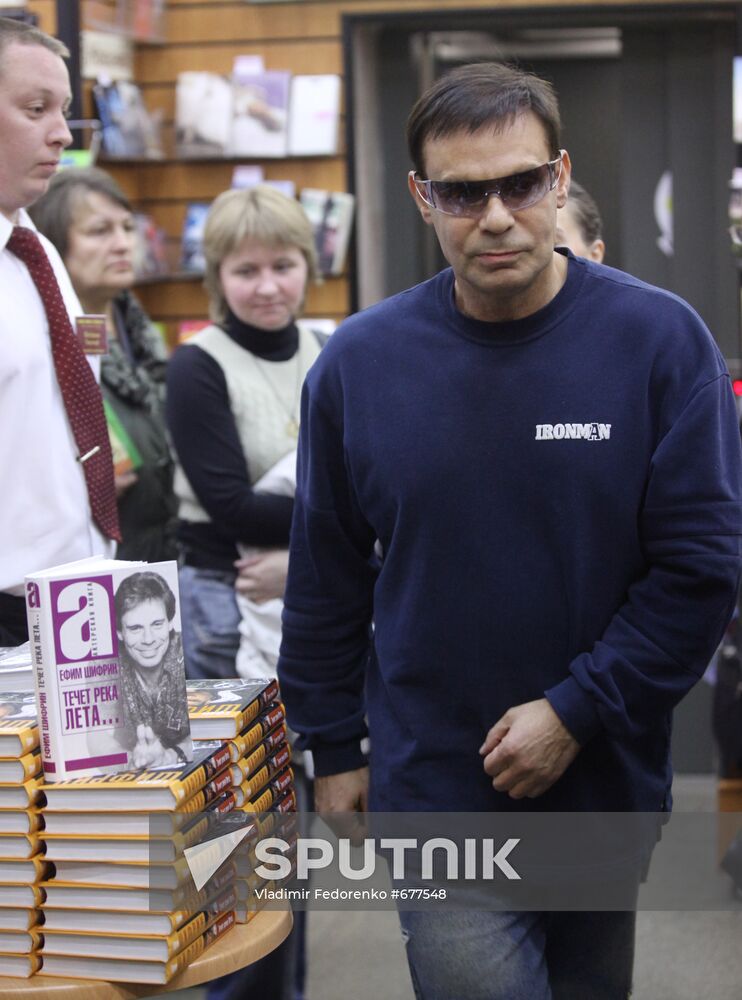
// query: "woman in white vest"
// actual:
[[233, 412]]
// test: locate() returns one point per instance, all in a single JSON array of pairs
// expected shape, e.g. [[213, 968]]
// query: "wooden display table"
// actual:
[[241, 946]]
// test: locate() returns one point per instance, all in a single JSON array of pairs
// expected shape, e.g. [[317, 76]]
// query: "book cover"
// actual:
[[221, 709], [127, 128], [314, 114], [156, 788], [16, 770], [150, 256], [331, 216], [260, 104], [191, 246], [108, 667], [19, 731], [126, 456], [203, 114]]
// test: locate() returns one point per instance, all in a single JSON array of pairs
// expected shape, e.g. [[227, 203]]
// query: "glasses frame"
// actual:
[[494, 189]]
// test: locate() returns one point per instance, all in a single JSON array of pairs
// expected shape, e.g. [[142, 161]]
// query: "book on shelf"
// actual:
[[16, 770], [20, 846], [126, 455], [136, 971], [260, 107], [221, 709], [150, 255], [16, 670], [192, 241], [20, 966], [127, 128], [17, 918], [157, 788], [203, 114], [187, 328], [314, 114], [108, 666], [20, 820], [141, 899], [331, 216], [19, 731], [20, 942]]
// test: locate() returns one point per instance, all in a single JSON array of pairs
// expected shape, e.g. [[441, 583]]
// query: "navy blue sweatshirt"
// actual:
[[558, 504]]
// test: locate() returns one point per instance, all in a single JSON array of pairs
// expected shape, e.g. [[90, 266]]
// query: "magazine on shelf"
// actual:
[[136, 971], [192, 242], [203, 114], [127, 128], [331, 216], [150, 255], [108, 667], [314, 114], [221, 709], [260, 106]]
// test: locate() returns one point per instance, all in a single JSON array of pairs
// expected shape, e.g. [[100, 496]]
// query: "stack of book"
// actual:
[[143, 882], [247, 713], [22, 865]]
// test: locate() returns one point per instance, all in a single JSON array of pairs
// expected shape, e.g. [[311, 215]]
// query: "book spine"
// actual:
[[42, 644], [187, 934], [213, 765]]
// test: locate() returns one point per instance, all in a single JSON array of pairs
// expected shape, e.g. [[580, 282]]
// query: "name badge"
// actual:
[[92, 334]]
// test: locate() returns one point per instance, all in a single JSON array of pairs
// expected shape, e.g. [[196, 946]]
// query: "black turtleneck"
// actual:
[[210, 451]]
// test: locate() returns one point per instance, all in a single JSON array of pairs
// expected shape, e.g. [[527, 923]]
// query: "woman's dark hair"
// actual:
[[478, 96], [140, 587], [54, 213], [585, 213]]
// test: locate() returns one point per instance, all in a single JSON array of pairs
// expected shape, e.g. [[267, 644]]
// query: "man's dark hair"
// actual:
[[54, 213], [477, 96], [585, 213], [140, 587]]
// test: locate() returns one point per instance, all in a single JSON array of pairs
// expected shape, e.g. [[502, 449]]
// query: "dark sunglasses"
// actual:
[[470, 198]]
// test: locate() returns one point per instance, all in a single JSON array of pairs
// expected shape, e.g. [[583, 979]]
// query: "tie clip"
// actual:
[[88, 454]]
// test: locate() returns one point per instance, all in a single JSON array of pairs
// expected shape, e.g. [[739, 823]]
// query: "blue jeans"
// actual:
[[483, 955], [210, 622]]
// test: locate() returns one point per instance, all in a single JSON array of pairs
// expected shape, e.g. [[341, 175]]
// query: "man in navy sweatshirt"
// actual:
[[546, 453]]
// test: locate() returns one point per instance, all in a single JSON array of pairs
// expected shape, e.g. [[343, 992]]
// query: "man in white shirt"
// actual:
[[45, 516]]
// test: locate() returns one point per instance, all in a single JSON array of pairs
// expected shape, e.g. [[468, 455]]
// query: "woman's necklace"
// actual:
[[291, 412]]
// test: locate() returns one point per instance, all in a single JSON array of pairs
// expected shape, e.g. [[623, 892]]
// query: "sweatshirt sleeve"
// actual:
[[328, 602], [210, 452], [661, 639]]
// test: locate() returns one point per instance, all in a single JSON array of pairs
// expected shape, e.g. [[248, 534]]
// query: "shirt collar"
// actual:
[[6, 226]]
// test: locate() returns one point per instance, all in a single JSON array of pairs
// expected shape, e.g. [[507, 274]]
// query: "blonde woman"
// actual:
[[233, 412]]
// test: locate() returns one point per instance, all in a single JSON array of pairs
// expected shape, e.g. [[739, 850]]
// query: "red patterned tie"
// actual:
[[80, 391]]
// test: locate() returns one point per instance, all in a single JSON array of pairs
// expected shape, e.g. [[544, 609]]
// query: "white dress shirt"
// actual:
[[44, 510]]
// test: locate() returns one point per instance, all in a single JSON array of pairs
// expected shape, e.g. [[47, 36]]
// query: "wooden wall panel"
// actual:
[[46, 11]]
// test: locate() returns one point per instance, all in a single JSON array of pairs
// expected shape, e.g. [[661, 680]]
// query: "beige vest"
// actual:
[[264, 398]]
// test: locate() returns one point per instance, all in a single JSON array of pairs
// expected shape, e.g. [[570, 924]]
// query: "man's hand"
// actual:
[[528, 749], [149, 752], [338, 797], [262, 577]]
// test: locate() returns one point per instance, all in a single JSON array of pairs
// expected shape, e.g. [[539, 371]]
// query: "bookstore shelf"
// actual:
[[241, 946]]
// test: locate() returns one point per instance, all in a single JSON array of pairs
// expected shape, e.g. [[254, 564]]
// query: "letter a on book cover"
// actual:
[[108, 667]]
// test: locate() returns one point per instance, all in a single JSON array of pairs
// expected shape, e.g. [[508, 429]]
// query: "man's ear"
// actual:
[[422, 206], [562, 187]]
